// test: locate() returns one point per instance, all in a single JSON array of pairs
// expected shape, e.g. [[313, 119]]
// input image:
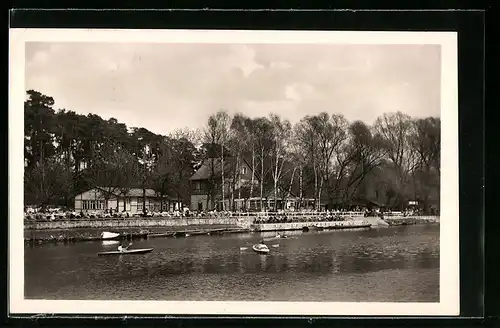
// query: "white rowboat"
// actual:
[[109, 235], [260, 248]]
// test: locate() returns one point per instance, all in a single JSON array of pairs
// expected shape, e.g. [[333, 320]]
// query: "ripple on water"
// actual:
[[391, 264]]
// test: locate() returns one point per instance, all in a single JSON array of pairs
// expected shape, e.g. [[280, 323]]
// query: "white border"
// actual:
[[449, 236]]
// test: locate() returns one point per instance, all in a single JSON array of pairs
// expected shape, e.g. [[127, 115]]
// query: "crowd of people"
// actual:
[[53, 214], [280, 216]]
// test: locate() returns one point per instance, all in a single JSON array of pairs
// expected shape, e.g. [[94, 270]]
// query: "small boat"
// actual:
[[128, 251], [281, 236], [109, 235], [260, 248]]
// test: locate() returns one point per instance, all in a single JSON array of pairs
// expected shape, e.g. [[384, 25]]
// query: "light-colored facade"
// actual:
[[102, 198]]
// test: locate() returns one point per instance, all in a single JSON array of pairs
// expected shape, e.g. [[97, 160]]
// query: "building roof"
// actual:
[[136, 192], [205, 170]]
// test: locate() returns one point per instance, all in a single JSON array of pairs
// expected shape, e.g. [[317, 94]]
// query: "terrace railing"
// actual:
[[73, 216]]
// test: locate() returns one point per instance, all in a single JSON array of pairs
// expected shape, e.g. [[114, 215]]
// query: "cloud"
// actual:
[[280, 65], [166, 86], [299, 91], [243, 57]]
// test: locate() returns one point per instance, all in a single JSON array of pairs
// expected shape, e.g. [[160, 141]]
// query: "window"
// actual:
[[198, 185], [243, 170], [83, 166], [93, 204]]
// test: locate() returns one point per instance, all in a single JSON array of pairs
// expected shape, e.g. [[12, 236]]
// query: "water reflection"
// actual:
[[110, 243], [403, 260]]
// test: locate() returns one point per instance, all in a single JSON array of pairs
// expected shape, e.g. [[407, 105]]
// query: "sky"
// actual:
[[167, 86]]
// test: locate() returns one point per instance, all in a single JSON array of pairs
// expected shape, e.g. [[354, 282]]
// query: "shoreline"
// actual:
[[398, 221], [183, 228], [162, 222], [66, 239]]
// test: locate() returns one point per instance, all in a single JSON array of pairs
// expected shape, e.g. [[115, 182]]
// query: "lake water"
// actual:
[[395, 264]]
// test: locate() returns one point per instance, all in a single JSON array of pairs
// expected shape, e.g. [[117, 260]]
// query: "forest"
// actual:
[[322, 157]]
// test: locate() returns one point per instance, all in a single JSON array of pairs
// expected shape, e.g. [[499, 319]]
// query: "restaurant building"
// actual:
[[130, 200]]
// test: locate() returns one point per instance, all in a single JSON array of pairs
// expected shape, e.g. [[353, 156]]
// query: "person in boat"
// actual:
[[121, 248]]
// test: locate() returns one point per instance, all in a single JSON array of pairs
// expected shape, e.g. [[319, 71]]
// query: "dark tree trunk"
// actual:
[[144, 200]]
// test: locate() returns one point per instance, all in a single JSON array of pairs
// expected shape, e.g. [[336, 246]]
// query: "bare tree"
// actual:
[[394, 129], [364, 153], [113, 170], [165, 170], [331, 133], [262, 130], [238, 142], [298, 157], [195, 136], [306, 137], [216, 133], [280, 134], [425, 142], [251, 142]]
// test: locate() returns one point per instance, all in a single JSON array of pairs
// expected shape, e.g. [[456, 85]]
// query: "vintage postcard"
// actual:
[[233, 172]]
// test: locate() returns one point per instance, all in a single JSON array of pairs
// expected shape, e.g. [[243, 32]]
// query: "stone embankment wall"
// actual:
[[243, 222], [138, 223]]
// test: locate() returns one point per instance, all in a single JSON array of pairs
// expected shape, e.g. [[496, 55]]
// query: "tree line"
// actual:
[[67, 153], [323, 157]]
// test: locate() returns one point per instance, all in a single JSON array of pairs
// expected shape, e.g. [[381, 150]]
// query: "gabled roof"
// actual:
[[205, 170], [136, 192]]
